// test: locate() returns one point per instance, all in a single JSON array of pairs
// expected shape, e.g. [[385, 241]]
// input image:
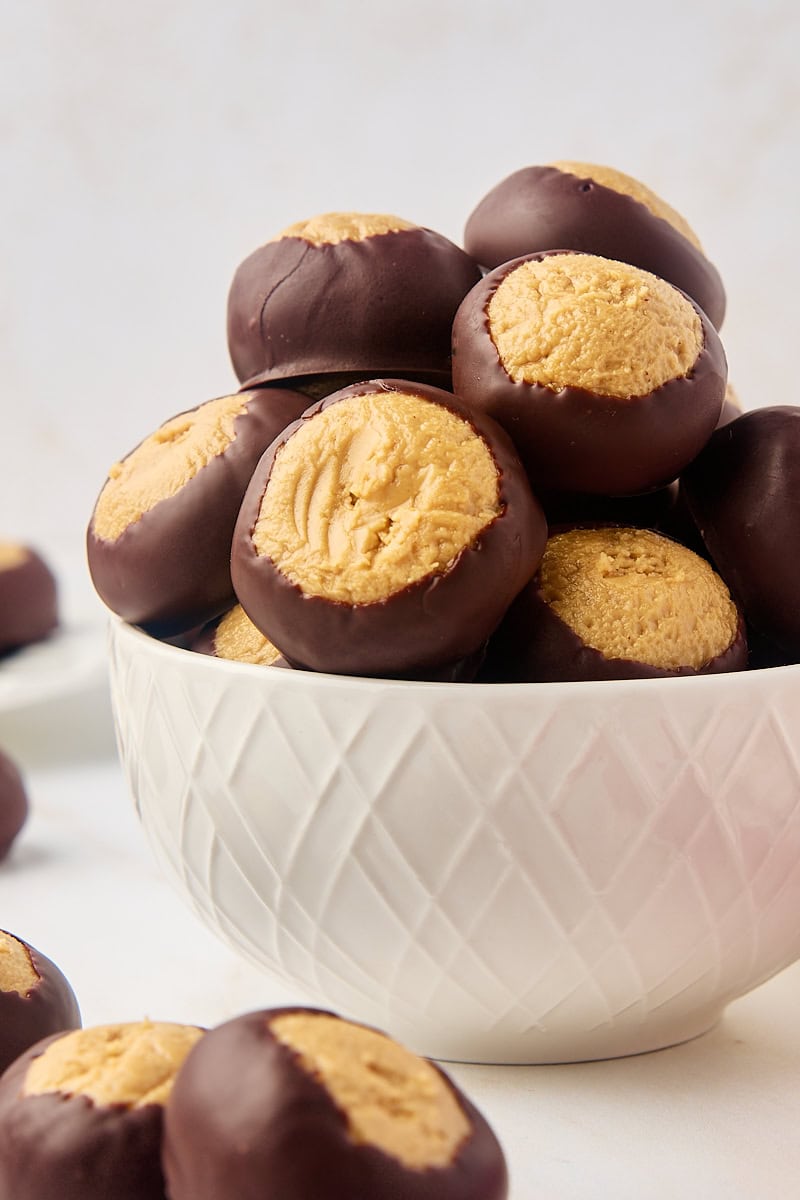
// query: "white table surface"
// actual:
[[715, 1118]]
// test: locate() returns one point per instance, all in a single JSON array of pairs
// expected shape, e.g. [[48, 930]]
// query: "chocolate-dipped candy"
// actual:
[[299, 1104], [646, 510], [617, 603], [608, 379], [385, 533], [348, 296], [742, 493], [597, 209], [233, 636], [13, 803], [36, 999], [28, 597], [158, 543], [81, 1113]]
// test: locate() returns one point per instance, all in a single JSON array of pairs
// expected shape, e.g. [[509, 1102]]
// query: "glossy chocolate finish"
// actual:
[[544, 208], [246, 1121], [382, 305], [534, 645], [59, 1147], [573, 439], [49, 1008], [425, 626], [13, 803], [170, 571], [742, 493], [28, 602]]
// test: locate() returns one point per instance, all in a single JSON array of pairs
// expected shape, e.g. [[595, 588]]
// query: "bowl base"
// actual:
[[539, 1047]]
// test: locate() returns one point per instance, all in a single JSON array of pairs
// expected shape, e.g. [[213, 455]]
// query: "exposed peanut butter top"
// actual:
[[634, 594], [333, 227], [578, 320], [17, 972], [165, 462], [392, 1099], [12, 555], [237, 638], [130, 1065], [618, 182], [373, 493]]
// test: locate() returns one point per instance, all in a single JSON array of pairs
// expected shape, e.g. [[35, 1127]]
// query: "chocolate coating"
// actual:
[[534, 645], [28, 602], [433, 622], [54, 1145], [170, 571], [647, 510], [50, 1007], [742, 494], [383, 305], [544, 208], [573, 439], [245, 1120], [13, 803]]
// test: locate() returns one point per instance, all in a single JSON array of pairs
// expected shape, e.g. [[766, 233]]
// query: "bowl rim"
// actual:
[[735, 682]]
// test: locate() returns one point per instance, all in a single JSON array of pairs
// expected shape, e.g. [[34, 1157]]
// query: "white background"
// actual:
[[147, 148]]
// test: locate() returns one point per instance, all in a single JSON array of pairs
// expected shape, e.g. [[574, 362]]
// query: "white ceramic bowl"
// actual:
[[507, 873]]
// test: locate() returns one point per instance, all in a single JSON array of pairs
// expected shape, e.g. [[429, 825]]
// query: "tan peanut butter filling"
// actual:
[[392, 1099], [373, 493], [131, 1065], [165, 462], [12, 555], [237, 638], [628, 186], [17, 972], [578, 320], [330, 228], [634, 594]]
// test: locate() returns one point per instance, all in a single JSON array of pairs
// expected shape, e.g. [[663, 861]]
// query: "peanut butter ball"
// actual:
[[159, 540], [234, 637], [300, 1104], [618, 603], [385, 533], [28, 597], [35, 998], [608, 379], [598, 210], [347, 296], [81, 1113], [742, 493]]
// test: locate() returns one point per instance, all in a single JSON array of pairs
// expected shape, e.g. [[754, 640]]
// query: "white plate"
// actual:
[[72, 660]]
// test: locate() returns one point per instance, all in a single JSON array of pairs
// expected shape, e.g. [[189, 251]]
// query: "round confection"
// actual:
[[348, 295], [13, 803], [597, 209], [608, 379], [36, 999], [318, 1106], [618, 603], [742, 495], [28, 597], [385, 533], [233, 636], [158, 543], [81, 1113]]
